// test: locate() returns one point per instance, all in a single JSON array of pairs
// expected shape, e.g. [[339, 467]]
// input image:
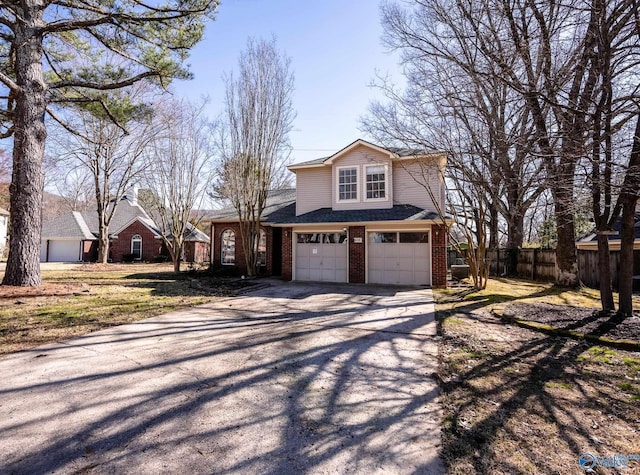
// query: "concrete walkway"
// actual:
[[293, 378]]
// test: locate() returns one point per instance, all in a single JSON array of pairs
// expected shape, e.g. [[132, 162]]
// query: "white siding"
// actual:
[[410, 181], [359, 157], [313, 189]]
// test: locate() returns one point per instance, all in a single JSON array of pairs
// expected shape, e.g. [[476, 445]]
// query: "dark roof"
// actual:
[[194, 234], [126, 212], [327, 215], [276, 200], [591, 236], [315, 161], [69, 225], [75, 225]]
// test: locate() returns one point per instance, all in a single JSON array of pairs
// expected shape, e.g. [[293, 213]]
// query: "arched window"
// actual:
[[136, 246], [228, 248], [262, 249]]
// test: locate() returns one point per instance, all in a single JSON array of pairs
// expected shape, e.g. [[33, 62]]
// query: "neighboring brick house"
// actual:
[[365, 214], [73, 236]]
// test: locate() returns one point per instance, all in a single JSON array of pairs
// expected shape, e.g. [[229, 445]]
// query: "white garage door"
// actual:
[[321, 257], [399, 258], [61, 251]]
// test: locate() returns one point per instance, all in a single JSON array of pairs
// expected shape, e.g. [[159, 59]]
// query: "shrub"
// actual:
[[128, 257]]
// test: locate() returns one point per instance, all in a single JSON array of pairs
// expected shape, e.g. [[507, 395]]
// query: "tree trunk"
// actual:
[[625, 269], [103, 244], [176, 254], [629, 198], [604, 270], [23, 263], [493, 227], [515, 238], [566, 257]]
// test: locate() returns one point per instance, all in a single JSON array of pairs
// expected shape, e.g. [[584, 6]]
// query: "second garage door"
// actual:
[[399, 258], [321, 257]]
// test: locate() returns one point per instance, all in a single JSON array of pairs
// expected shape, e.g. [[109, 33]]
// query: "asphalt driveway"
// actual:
[[293, 378]]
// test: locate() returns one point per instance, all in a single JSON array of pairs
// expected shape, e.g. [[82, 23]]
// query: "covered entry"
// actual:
[[321, 257], [399, 258]]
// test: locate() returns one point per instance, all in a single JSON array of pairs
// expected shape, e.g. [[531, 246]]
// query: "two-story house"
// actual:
[[365, 214]]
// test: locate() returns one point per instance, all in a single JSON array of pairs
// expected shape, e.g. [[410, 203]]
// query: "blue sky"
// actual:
[[335, 50]]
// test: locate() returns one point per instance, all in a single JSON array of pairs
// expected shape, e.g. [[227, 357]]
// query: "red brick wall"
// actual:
[[357, 255], [196, 251], [122, 245], [90, 251], [439, 256], [268, 270], [240, 265], [287, 253]]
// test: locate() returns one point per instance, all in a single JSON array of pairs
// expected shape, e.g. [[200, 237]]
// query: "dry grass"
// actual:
[[81, 299], [519, 401]]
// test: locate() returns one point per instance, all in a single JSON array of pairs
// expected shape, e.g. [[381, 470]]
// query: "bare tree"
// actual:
[[254, 136], [178, 171], [552, 59], [452, 103], [52, 53], [109, 153]]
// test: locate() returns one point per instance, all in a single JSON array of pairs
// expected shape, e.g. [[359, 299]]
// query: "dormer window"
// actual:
[[375, 182], [348, 184]]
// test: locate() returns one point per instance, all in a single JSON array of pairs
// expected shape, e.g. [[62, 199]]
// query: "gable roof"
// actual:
[[393, 152], [67, 226], [592, 236], [76, 225], [126, 212], [276, 201]]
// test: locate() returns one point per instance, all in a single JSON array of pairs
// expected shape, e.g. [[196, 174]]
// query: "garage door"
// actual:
[[61, 251], [399, 258], [321, 257]]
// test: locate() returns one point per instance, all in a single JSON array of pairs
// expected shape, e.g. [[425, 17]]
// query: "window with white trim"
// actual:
[[228, 248], [375, 182], [136, 246], [348, 184]]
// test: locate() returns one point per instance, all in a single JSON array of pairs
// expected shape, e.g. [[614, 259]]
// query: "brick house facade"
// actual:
[[73, 236], [359, 216]]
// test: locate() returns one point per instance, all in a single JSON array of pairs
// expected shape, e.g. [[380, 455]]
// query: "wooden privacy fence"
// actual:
[[533, 264], [540, 264]]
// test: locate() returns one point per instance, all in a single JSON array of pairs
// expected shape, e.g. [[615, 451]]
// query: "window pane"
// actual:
[[228, 248], [136, 246], [383, 237], [375, 182], [262, 249], [347, 184], [421, 237]]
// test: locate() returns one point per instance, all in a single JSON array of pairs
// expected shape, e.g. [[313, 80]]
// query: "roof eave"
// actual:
[[364, 223]]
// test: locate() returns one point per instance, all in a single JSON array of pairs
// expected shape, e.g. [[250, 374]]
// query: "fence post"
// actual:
[[534, 262]]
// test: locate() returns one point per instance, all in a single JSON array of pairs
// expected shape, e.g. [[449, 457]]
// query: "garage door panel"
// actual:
[[321, 257], [392, 261], [64, 251]]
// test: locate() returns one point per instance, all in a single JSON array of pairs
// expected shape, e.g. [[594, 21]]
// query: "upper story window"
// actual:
[[347, 183], [376, 182]]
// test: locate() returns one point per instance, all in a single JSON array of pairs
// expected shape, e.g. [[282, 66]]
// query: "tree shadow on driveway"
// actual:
[[301, 379]]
